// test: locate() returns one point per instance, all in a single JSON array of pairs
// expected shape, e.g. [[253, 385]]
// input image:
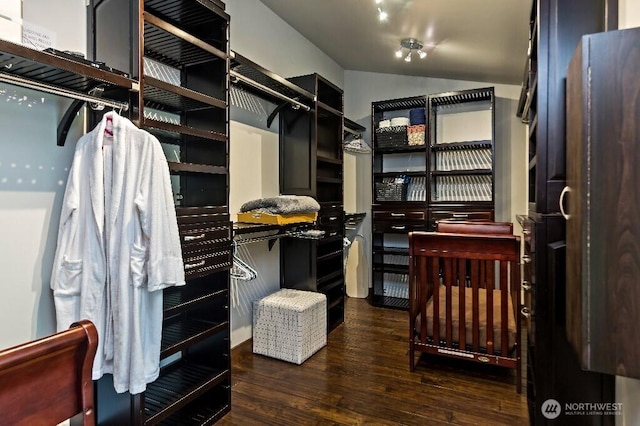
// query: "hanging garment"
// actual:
[[118, 247]]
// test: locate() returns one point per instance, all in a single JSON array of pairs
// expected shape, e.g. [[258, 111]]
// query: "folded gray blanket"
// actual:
[[284, 204]]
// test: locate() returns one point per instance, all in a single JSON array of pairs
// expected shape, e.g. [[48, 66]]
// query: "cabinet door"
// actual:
[[297, 153], [603, 135]]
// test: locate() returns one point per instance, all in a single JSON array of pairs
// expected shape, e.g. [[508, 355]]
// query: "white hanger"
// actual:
[[241, 270]]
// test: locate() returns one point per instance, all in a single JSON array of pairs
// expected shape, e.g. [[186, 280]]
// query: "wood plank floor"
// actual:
[[362, 377]]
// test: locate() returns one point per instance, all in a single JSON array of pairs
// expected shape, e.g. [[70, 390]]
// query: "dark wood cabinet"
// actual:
[[178, 51], [556, 27], [603, 148], [440, 166], [400, 186], [311, 161]]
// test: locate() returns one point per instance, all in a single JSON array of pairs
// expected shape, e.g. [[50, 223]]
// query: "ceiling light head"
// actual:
[[410, 44], [378, 1], [382, 15]]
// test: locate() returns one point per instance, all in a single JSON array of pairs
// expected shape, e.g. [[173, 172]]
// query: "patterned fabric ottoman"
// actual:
[[290, 325]]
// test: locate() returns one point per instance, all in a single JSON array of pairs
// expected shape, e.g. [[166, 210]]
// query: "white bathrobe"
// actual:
[[118, 247]]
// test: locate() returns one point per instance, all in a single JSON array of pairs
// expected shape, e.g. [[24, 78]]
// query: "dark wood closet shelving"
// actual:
[[57, 71], [187, 13], [177, 386], [267, 82], [461, 172], [311, 158], [181, 335], [178, 130], [176, 97], [322, 159], [75, 79], [191, 39], [463, 96], [553, 369], [353, 127], [394, 174], [325, 110], [400, 104], [401, 150], [395, 210], [196, 168], [180, 299], [166, 40], [462, 145]]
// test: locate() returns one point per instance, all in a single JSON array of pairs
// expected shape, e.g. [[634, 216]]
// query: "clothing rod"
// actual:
[[270, 91], [59, 91]]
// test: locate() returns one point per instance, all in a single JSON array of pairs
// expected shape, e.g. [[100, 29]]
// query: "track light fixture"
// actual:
[[382, 15], [408, 46]]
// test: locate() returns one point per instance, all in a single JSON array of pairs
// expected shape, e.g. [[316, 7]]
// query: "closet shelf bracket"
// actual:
[[274, 113]]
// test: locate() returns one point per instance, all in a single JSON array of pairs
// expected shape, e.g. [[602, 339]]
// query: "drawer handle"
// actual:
[[564, 192], [333, 234], [525, 312], [526, 286], [460, 215], [526, 259], [397, 214], [194, 237], [333, 218], [194, 265], [399, 228]]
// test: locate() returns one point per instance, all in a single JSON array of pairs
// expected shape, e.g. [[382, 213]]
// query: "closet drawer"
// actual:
[[398, 227], [206, 262], [331, 217], [400, 215], [195, 235], [192, 215], [461, 215], [437, 215], [333, 232]]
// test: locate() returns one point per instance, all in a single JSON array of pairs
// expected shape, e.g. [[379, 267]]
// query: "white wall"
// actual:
[[362, 88], [263, 37], [253, 174], [628, 390], [33, 171]]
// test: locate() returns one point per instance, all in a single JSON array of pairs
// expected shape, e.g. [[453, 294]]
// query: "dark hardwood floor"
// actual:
[[362, 378]]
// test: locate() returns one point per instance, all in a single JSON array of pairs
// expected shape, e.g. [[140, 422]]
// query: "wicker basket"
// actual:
[[391, 137], [391, 191]]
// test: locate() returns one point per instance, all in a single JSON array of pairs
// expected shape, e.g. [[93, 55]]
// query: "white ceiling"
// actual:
[[479, 40]]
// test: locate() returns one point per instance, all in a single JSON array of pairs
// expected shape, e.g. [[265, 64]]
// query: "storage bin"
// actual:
[[391, 137], [290, 325], [415, 134], [417, 116], [391, 191]]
